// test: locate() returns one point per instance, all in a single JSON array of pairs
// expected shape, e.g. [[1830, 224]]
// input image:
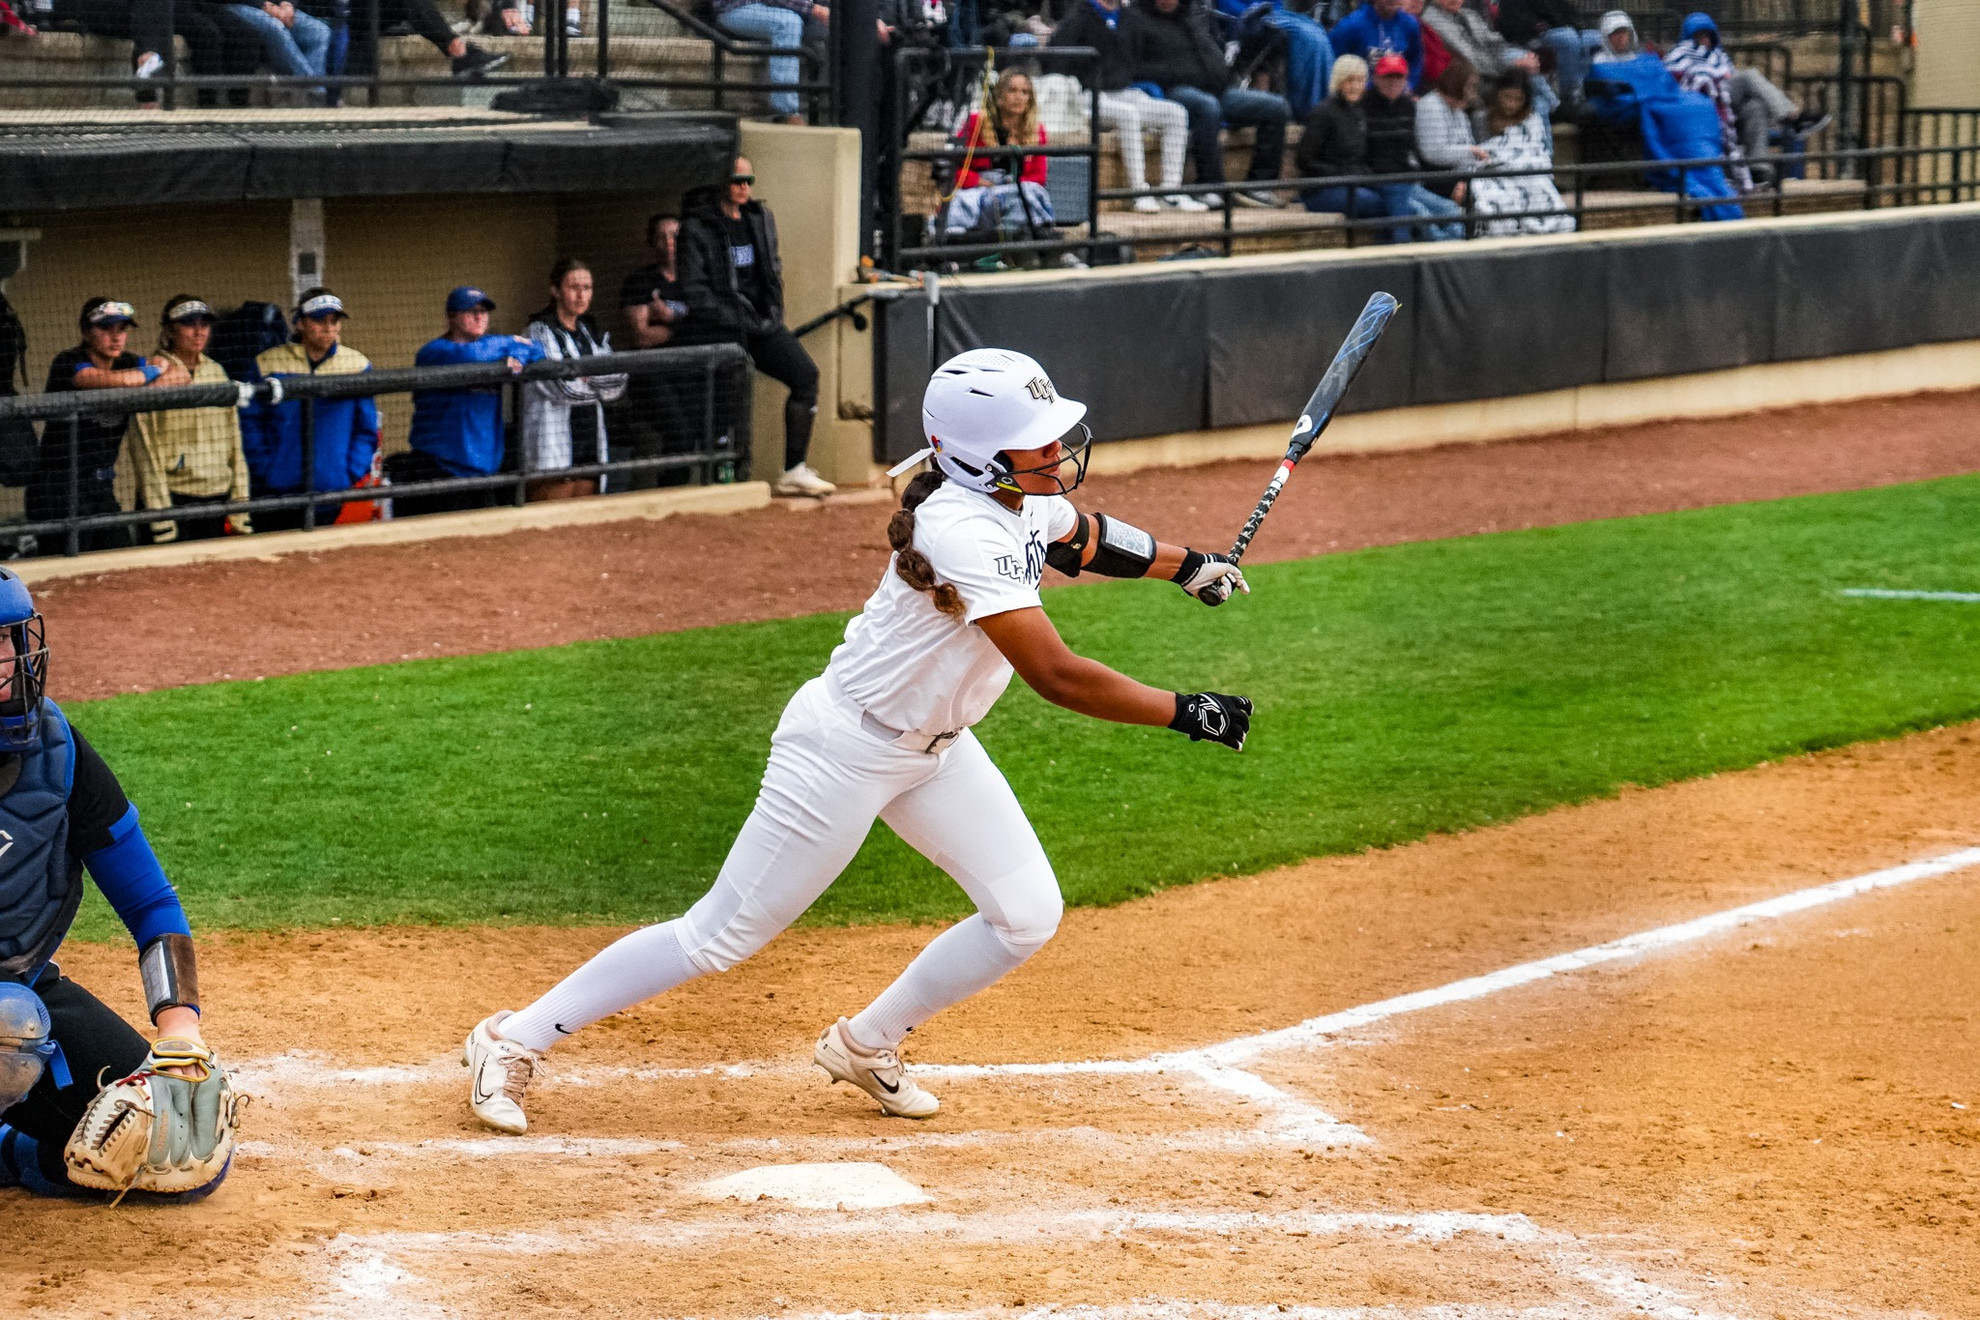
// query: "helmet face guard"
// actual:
[[1077, 452], [24, 677]]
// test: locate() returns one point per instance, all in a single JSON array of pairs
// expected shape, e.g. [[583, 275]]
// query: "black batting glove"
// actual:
[[1209, 576], [1215, 716]]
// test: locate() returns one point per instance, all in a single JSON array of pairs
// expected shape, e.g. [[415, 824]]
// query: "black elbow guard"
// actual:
[[1065, 555], [171, 979], [1125, 551]]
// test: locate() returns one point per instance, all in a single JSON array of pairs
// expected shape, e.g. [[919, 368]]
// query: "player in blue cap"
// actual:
[[63, 1131]]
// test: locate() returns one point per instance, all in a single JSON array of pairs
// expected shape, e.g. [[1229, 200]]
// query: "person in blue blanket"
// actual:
[[86, 1105], [1630, 87], [459, 431]]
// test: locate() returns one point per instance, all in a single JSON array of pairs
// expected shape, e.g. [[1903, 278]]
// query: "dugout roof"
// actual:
[[100, 165]]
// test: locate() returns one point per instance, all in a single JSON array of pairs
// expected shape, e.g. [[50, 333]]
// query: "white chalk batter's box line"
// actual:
[[1287, 1118]]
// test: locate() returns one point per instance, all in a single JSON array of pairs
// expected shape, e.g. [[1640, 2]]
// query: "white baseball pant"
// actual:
[[828, 779]]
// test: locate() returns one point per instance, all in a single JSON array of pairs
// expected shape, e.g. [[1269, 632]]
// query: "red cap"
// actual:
[[1389, 64]]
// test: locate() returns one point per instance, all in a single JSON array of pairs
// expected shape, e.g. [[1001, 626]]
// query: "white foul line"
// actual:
[[1879, 593]]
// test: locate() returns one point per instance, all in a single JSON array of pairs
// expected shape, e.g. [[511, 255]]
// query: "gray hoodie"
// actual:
[[1616, 20]]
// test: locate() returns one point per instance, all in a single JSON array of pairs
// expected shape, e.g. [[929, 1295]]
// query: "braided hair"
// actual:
[[910, 563]]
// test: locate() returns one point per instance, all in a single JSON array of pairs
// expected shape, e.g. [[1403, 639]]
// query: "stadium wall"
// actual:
[[1499, 337]]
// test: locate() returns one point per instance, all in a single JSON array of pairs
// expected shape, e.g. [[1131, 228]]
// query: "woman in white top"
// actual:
[[885, 732], [564, 420]]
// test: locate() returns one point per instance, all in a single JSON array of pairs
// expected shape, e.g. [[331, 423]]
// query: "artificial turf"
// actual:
[[1401, 691]]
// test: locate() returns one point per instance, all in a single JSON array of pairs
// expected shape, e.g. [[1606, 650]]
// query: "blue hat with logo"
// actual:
[[467, 298]]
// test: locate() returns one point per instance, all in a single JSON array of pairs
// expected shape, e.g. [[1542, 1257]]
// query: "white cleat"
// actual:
[[801, 480], [499, 1072], [878, 1073]]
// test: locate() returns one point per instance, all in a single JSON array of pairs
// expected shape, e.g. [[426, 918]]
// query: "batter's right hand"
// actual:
[[1213, 716]]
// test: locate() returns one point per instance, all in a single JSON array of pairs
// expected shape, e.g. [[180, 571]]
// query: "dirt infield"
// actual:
[[138, 630], [1762, 1122], [1772, 1119]]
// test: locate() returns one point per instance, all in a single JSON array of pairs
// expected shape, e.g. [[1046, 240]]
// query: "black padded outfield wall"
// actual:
[[1214, 345]]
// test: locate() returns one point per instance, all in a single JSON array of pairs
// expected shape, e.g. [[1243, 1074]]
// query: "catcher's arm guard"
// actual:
[[157, 1131]]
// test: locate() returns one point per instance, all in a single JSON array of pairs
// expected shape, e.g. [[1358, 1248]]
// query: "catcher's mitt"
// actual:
[[157, 1131]]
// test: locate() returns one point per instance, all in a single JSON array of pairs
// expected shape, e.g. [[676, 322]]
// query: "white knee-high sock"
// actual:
[[967, 957], [630, 971]]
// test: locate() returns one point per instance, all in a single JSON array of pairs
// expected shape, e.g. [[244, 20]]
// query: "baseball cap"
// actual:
[[322, 302], [467, 298], [107, 312], [182, 310], [1389, 64]]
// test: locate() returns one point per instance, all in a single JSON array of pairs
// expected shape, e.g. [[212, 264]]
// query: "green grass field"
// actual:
[[1401, 692]]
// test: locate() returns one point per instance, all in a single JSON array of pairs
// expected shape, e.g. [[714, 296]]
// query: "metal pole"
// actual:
[[1093, 157], [603, 18], [377, 45], [171, 54], [513, 393], [309, 461], [708, 436], [75, 483], [1848, 133], [855, 81]]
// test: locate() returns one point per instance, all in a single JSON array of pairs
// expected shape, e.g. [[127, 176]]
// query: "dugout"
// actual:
[[392, 208]]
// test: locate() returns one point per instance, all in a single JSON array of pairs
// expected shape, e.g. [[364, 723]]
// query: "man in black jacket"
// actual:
[[1169, 43], [1102, 25], [734, 283]]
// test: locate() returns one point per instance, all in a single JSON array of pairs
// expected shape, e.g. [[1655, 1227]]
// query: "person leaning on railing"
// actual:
[[563, 421], [185, 457], [343, 432], [786, 23], [458, 432], [100, 362]]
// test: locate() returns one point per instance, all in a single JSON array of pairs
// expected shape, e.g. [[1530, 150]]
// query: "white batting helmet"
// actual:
[[980, 403]]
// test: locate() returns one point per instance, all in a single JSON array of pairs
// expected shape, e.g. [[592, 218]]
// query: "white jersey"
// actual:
[[916, 669]]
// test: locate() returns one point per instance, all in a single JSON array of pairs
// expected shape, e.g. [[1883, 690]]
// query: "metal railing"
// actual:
[[721, 373], [1788, 18], [1905, 176], [173, 87]]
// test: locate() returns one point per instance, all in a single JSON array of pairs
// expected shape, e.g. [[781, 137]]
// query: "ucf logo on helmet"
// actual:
[[1041, 390]]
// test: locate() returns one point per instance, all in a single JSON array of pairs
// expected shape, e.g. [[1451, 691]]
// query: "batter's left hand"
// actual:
[[1210, 577]]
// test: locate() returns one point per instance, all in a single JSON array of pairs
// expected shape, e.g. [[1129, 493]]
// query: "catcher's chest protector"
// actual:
[[39, 887]]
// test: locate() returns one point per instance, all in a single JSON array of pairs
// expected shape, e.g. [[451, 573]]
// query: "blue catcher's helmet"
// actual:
[[26, 1044], [23, 666]]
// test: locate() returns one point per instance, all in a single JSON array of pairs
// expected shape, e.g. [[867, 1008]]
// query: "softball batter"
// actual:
[[885, 731]]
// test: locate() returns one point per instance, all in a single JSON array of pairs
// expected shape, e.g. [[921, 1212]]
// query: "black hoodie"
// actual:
[[717, 302], [1175, 49]]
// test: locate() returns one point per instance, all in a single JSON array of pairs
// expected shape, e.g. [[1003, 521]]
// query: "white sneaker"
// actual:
[[1211, 201], [151, 65], [499, 1072], [801, 480], [1184, 202], [878, 1074], [1147, 205]]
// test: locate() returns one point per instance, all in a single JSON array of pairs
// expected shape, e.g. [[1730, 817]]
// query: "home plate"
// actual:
[[846, 1186]]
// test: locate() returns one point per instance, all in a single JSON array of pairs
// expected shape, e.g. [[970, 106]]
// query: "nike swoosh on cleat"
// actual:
[[563, 1030], [893, 1089]]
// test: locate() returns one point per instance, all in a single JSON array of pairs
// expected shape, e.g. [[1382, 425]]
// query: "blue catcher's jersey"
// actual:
[[40, 884]]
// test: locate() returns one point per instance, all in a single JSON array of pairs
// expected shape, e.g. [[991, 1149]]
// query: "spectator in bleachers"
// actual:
[[191, 456], [1172, 48], [344, 431], [788, 23], [1309, 52], [350, 25], [1334, 144], [1390, 112], [458, 432], [12, 24], [1466, 34], [987, 200], [100, 362], [1381, 27], [662, 413], [563, 421], [734, 280], [1551, 25], [149, 25], [1750, 108], [1517, 140], [1443, 128], [295, 44], [1125, 108], [1619, 39]]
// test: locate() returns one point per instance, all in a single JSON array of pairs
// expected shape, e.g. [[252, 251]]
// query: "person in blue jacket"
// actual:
[[1309, 54], [62, 812], [346, 430], [461, 430], [1378, 28]]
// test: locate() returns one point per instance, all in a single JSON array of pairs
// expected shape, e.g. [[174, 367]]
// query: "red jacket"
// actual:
[[967, 176]]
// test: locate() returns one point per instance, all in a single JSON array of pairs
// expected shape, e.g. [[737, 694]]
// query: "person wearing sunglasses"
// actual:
[[187, 457], [734, 282]]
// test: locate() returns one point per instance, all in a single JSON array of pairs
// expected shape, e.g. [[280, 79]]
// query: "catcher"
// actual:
[[86, 1106]]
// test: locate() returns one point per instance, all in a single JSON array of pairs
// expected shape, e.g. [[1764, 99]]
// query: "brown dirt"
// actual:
[[134, 631], [1762, 1124]]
